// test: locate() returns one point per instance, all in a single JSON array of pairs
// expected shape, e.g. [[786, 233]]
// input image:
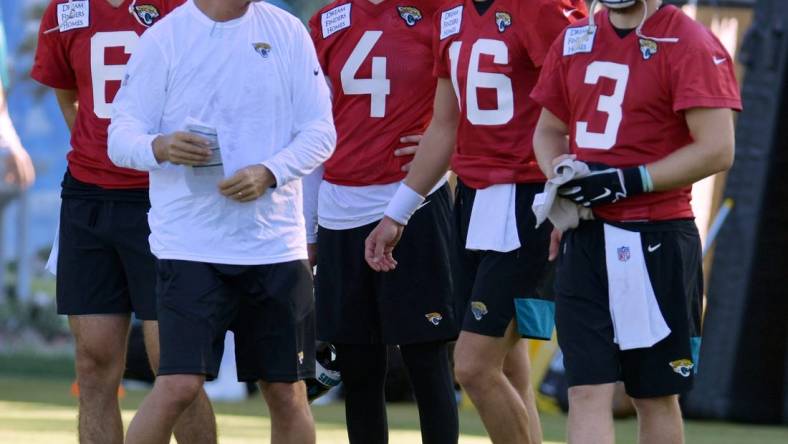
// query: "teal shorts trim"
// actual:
[[535, 318]]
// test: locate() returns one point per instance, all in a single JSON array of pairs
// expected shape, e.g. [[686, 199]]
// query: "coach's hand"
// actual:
[[408, 150], [248, 184], [181, 148], [380, 245]]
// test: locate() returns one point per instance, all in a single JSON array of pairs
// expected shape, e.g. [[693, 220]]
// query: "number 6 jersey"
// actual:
[[623, 98], [84, 45], [493, 60]]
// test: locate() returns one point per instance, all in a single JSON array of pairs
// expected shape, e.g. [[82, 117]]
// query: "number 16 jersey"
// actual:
[[493, 60]]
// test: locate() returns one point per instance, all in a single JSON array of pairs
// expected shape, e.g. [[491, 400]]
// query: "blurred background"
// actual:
[[742, 217]]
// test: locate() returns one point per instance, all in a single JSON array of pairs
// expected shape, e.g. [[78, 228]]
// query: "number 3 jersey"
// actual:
[[84, 46], [378, 61], [623, 98], [493, 61]]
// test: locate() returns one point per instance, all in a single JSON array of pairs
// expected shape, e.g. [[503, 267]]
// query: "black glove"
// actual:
[[605, 185]]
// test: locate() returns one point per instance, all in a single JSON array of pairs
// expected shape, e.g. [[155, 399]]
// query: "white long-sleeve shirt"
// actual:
[[256, 80]]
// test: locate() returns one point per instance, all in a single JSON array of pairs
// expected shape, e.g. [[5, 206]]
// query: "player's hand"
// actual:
[[380, 244], [555, 244], [408, 150], [311, 251], [605, 185], [182, 148], [248, 184], [19, 169]]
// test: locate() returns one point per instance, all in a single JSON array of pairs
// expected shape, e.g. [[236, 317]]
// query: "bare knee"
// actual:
[[99, 368], [179, 390], [592, 397], [285, 400], [471, 373], [657, 407]]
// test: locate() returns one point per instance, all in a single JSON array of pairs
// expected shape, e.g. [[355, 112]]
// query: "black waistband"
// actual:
[[76, 189]]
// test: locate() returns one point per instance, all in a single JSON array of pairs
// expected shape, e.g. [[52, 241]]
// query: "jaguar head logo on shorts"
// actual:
[[683, 367], [479, 310], [411, 15], [434, 318], [264, 49], [146, 14], [503, 20], [301, 358]]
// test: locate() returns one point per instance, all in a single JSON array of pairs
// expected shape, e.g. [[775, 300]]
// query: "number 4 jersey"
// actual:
[[378, 61], [493, 60], [623, 98], [84, 45]]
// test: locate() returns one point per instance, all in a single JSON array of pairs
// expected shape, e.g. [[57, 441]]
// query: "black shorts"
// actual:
[[585, 330], [270, 308], [412, 304], [104, 263], [499, 287]]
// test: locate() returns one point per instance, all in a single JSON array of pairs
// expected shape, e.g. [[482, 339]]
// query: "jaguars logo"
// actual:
[[683, 367], [648, 48], [264, 49], [503, 20], [478, 309], [147, 14], [434, 318], [411, 15]]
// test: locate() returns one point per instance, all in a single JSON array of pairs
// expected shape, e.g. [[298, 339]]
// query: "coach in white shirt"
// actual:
[[226, 222]]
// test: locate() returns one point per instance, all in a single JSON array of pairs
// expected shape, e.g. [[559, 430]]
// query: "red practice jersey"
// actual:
[[623, 98], [87, 51], [493, 61], [378, 59]]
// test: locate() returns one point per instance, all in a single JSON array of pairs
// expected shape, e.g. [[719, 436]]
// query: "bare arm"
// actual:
[[431, 162], [437, 145], [710, 152], [67, 99], [550, 141]]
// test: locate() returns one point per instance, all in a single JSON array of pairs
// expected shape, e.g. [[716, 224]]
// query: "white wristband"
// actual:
[[404, 203]]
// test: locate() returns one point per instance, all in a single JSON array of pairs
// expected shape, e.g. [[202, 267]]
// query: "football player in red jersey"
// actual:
[[644, 94], [488, 56], [105, 268], [377, 57]]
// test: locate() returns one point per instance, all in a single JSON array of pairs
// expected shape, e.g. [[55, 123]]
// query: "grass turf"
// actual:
[[36, 408]]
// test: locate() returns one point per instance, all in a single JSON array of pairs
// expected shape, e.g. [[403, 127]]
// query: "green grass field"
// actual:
[[36, 408]]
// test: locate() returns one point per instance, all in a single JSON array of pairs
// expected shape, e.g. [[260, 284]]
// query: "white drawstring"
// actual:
[[639, 29]]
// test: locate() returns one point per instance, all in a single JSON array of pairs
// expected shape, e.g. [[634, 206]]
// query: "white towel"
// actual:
[[637, 319], [51, 265], [493, 225], [563, 213]]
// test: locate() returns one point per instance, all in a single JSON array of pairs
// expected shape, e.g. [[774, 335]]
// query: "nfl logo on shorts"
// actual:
[[623, 254]]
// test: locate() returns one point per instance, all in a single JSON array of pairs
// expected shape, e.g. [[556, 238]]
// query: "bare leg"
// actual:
[[479, 369], [161, 409], [100, 360], [291, 417], [197, 425], [591, 415], [517, 368], [659, 420]]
